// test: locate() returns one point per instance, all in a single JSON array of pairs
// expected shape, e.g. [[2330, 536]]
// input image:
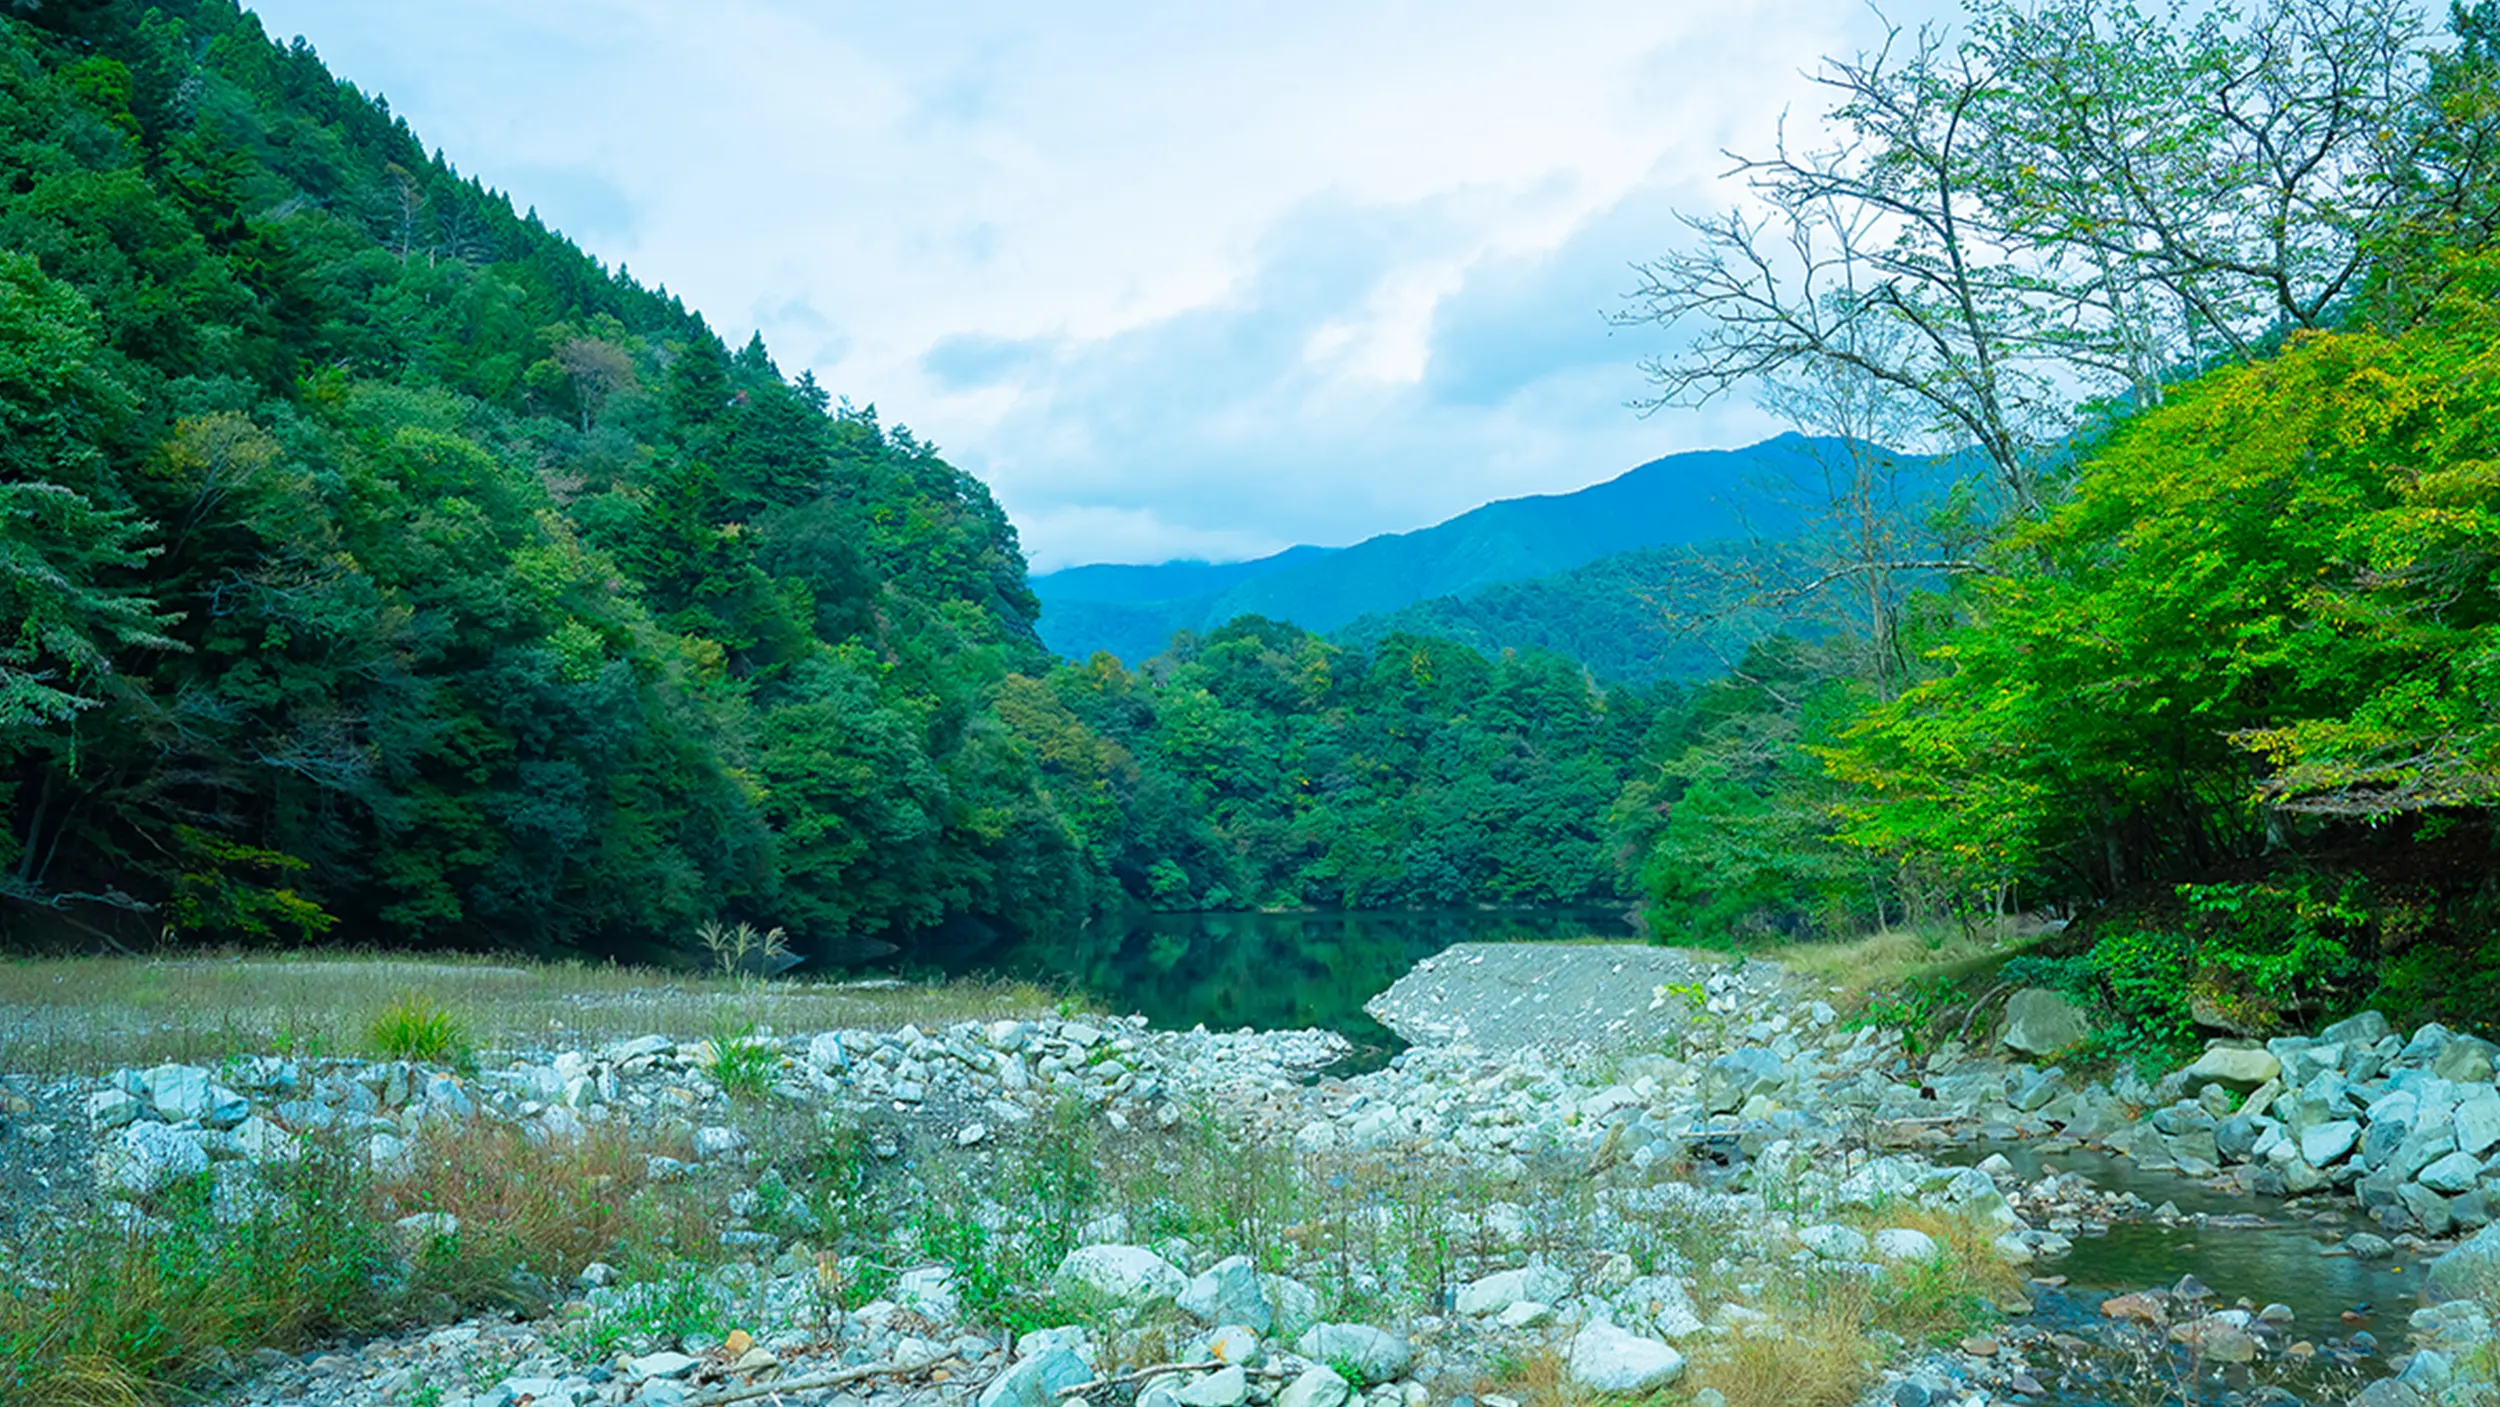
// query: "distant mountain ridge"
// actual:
[[1132, 611]]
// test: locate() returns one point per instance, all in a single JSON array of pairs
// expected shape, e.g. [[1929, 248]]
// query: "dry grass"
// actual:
[[548, 1209], [105, 1316], [1820, 1358], [83, 1015], [1854, 970], [1815, 1351]]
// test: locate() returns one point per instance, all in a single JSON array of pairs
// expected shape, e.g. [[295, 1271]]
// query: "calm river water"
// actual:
[[1275, 971]]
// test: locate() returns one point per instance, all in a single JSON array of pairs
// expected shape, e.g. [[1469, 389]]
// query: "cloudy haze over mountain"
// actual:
[[1176, 280]]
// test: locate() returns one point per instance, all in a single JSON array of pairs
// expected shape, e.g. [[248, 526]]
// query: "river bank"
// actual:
[[1711, 1190]]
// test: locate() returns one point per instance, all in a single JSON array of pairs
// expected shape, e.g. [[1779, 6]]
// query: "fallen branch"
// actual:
[[1141, 1375], [847, 1375]]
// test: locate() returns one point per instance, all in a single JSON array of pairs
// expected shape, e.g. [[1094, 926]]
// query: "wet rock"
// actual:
[[1604, 1358], [2142, 1309], [2218, 1338], [2366, 1246]]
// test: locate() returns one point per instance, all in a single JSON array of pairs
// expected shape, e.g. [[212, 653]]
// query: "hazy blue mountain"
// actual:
[[1683, 498]]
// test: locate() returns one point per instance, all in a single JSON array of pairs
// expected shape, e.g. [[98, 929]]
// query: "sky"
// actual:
[[1174, 280]]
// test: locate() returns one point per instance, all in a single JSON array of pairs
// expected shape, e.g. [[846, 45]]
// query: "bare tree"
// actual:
[[2073, 203]]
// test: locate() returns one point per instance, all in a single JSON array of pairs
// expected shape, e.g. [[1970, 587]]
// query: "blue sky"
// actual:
[[1176, 280]]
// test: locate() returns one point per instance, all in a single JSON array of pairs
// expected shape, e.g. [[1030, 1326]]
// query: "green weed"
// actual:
[[416, 1027]]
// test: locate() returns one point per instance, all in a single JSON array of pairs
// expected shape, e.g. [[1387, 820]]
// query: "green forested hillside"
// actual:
[[381, 568], [1640, 617]]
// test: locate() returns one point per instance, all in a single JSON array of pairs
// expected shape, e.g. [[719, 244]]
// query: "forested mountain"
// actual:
[[381, 568], [1684, 498], [1641, 617]]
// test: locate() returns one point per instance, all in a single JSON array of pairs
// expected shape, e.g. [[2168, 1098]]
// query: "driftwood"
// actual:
[[1141, 1375], [861, 1373]]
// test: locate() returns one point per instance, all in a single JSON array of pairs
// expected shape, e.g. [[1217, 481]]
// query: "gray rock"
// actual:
[[2242, 1068], [1124, 1275], [2387, 1392], [672, 1365], [1906, 1243], [1739, 1075], [1319, 1386], [929, 1289], [1294, 1304], [1227, 1386], [1836, 1242], [2458, 1172], [2039, 1021], [1375, 1354], [2466, 1060], [1228, 1293], [1499, 1291], [2430, 1210], [717, 1142], [1658, 1305], [1607, 1359], [2367, 1028], [147, 1158], [639, 1048], [2365, 1246], [2326, 1143], [2477, 1123], [112, 1109], [1037, 1380]]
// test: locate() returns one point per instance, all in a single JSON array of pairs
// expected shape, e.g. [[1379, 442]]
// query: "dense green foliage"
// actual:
[[1266, 765], [2221, 679], [378, 566]]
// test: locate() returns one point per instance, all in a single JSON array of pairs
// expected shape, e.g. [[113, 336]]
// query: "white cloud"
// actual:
[[1178, 280]]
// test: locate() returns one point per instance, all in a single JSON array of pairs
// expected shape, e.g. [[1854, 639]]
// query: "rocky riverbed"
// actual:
[[1637, 1188]]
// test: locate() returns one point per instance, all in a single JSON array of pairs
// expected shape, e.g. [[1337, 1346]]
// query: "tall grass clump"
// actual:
[[417, 1027], [742, 1063], [120, 1315]]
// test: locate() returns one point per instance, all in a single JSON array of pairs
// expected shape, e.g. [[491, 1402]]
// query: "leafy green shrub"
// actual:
[[417, 1027], [743, 1065], [2277, 953]]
